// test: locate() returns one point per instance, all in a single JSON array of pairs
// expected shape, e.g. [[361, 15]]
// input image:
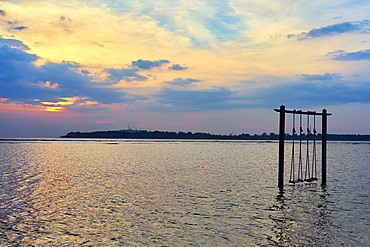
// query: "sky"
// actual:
[[182, 65]]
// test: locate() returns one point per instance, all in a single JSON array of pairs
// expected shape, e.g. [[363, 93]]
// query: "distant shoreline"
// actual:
[[144, 134]]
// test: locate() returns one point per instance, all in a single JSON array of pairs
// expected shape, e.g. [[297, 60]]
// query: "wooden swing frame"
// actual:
[[324, 114]]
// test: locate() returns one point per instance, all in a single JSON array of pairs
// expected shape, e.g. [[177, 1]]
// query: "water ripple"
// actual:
[[172, 193]]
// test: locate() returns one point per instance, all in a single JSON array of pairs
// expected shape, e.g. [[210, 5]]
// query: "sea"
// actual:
[[114, 192]]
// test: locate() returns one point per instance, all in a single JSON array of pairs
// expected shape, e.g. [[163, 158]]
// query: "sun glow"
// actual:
[[68, 101], [28, 109], [53, 109]]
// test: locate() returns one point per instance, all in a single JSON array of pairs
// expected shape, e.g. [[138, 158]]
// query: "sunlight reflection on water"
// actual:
[[176, 193]]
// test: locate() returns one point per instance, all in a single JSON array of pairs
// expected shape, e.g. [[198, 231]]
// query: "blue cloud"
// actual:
[[21, 80], [299, 94], [13, 43], [323, 77], [20, 28], [182, 82], [177, 67], [341, 55], [13, 54], [14, 64], [336, 29], [14, 25], [309, 94], [128, 75], [147, 64], [131, 73]]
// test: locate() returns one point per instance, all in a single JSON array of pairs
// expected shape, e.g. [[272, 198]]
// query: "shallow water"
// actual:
[[57, 192]]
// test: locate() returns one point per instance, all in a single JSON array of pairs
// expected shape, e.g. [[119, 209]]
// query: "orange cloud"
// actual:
[[88, 103], [49, 84]]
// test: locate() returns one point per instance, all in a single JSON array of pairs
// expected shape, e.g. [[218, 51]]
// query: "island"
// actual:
[[145, 134]]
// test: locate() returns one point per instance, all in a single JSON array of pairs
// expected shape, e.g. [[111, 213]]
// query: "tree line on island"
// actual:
[[144, 134]]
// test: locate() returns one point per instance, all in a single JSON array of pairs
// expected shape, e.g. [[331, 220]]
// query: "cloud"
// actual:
[[323, 77], [23, 82], [14, 25], [13, 43], [14, 54], [203, 23], [85, 72], [147, 64], [128, 75], [341, 55], [188, 82], [90, 31], [299, 94], [336, 29], [20, 28], [131, 73], [177, 67], [309, 94]]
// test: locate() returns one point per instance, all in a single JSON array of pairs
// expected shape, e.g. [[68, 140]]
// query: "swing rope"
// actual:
[[300, 165], [314, 170], [307, 174], [310, 173], [292, 177]]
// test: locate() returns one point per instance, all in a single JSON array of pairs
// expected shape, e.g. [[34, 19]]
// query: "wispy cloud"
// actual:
[[130, 73], [318, 77], [336, 29], [20, 28], [147, 64], [187, 82], [341, 55], [299, 94], [14, 25], [309, 94], [202, 22], [177, 67]]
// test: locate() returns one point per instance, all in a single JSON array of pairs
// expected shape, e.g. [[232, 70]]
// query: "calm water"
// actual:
[[177, 193]]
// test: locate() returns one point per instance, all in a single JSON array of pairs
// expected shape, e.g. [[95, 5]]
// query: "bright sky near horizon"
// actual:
[[182, 65]]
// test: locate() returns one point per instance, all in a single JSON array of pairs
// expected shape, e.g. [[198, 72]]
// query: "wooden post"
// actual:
[[281, 146], [323, 144]]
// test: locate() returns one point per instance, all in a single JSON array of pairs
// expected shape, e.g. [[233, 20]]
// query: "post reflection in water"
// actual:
[[301, 216]]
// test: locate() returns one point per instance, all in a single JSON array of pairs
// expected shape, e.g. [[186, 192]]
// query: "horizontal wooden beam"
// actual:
[[303, 112]]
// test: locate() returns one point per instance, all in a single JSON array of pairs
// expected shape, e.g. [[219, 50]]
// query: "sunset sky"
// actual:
[[181, 65]]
